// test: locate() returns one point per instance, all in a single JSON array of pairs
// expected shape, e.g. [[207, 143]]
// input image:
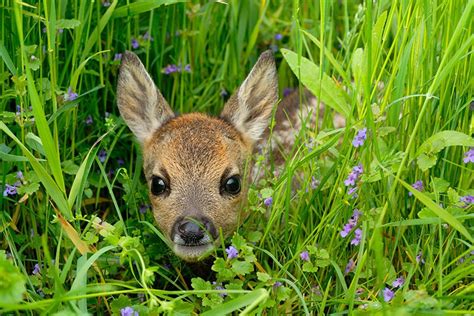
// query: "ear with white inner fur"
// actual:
[[140, 103], [249, 109]]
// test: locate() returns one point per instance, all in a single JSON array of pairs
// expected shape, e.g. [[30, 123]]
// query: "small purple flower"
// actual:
[[274, 48], [9, 190], [287, 91], [468, 199], [314, 182], [231, 252], [89, 120], [356, 214], [357, 237], [304, 256], [135, 43], [418, 185], [346, 230], [147, 37], [19, 175], [360, 138], [36, 269], [187, 68], [277, 284], [18, 110], [354, 175], [419, 258], [278, 37], [128, 311], [70, 95], [120, 161], [268, 201], [102, 155], [106, 115], [388, 294], [105, 3], [143, 208], [469, 156], [170, 69], [60, 31], [349, 267], [223, 93], [398, 282], [118, 56], [220, 288]]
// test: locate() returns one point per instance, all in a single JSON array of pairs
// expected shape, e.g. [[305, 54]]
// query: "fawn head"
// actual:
[[195, 164]]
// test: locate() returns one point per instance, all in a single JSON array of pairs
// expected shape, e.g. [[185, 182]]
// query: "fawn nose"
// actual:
[[193, 232]]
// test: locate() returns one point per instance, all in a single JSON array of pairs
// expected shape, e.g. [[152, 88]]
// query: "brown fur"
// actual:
[[195, 152]]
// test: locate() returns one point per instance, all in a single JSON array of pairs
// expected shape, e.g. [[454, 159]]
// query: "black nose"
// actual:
[[192, 231]]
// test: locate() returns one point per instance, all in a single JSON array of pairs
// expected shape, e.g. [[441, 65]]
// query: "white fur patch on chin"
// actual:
[[193, 253]]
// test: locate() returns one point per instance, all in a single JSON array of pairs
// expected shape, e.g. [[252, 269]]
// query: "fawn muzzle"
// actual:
[[191, 232]]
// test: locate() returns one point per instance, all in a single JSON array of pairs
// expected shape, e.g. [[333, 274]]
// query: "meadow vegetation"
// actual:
[[373, 217]]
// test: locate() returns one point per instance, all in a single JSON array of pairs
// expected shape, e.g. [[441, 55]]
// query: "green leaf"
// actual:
[[324, 88], [69, 167], [263, 277], [35, 143], [12, 284], [251, 300], [28, 188], [444, 139], [242, 267], [238, 241], [200, 285], [425, 162], [138, 7], [439, 185], [223, 271], [67, 24], [266, 192], [438, 210], [309, 267]]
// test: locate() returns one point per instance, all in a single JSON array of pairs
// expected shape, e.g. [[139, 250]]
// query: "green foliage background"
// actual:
[[401, 69]]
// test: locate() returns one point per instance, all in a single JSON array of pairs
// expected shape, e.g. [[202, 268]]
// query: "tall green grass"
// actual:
[[401, 69]]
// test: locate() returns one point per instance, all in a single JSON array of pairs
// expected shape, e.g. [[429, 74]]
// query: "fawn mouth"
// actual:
[[193, 252]]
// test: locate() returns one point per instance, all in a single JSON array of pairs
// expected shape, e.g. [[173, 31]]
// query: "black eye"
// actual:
[[232, 185], [158, 185]]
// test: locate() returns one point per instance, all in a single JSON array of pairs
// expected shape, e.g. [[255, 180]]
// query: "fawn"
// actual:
[[195, 164]]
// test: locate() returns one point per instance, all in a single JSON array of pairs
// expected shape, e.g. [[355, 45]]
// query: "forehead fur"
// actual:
[[192, 142]]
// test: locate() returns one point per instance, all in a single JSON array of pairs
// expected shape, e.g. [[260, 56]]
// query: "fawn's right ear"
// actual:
[[140, 102]]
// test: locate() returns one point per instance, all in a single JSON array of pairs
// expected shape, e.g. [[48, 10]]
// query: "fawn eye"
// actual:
[[158, 185], [231, 185]]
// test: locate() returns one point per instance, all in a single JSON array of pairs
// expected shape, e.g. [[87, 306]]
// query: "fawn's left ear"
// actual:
[[249, 108]]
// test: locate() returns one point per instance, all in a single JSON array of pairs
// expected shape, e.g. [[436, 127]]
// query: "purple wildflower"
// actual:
[[354, 175], [118, 56], [120, 161], [106, 115], [9, 190], [274, 48], [143, 208], [105, 3], [349, 267], [346, 229], [224, 93], [357, 237], [468, 199], [60, 31], [135, 43], [102, 155], [70, 95], [18, 110], [304, 256], [418, 185], [352, 191], [36, 269], [89, 120], [128, 311], [147, 36], [388, 294], [356, 214], [398, 282], [278, 37], [469, 156], [170, 69], [314, 182], [268, 201], [231, 252], [419, 258], [19, 175], [187, 68], [360, 138], [287, 91], [277, 284]]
